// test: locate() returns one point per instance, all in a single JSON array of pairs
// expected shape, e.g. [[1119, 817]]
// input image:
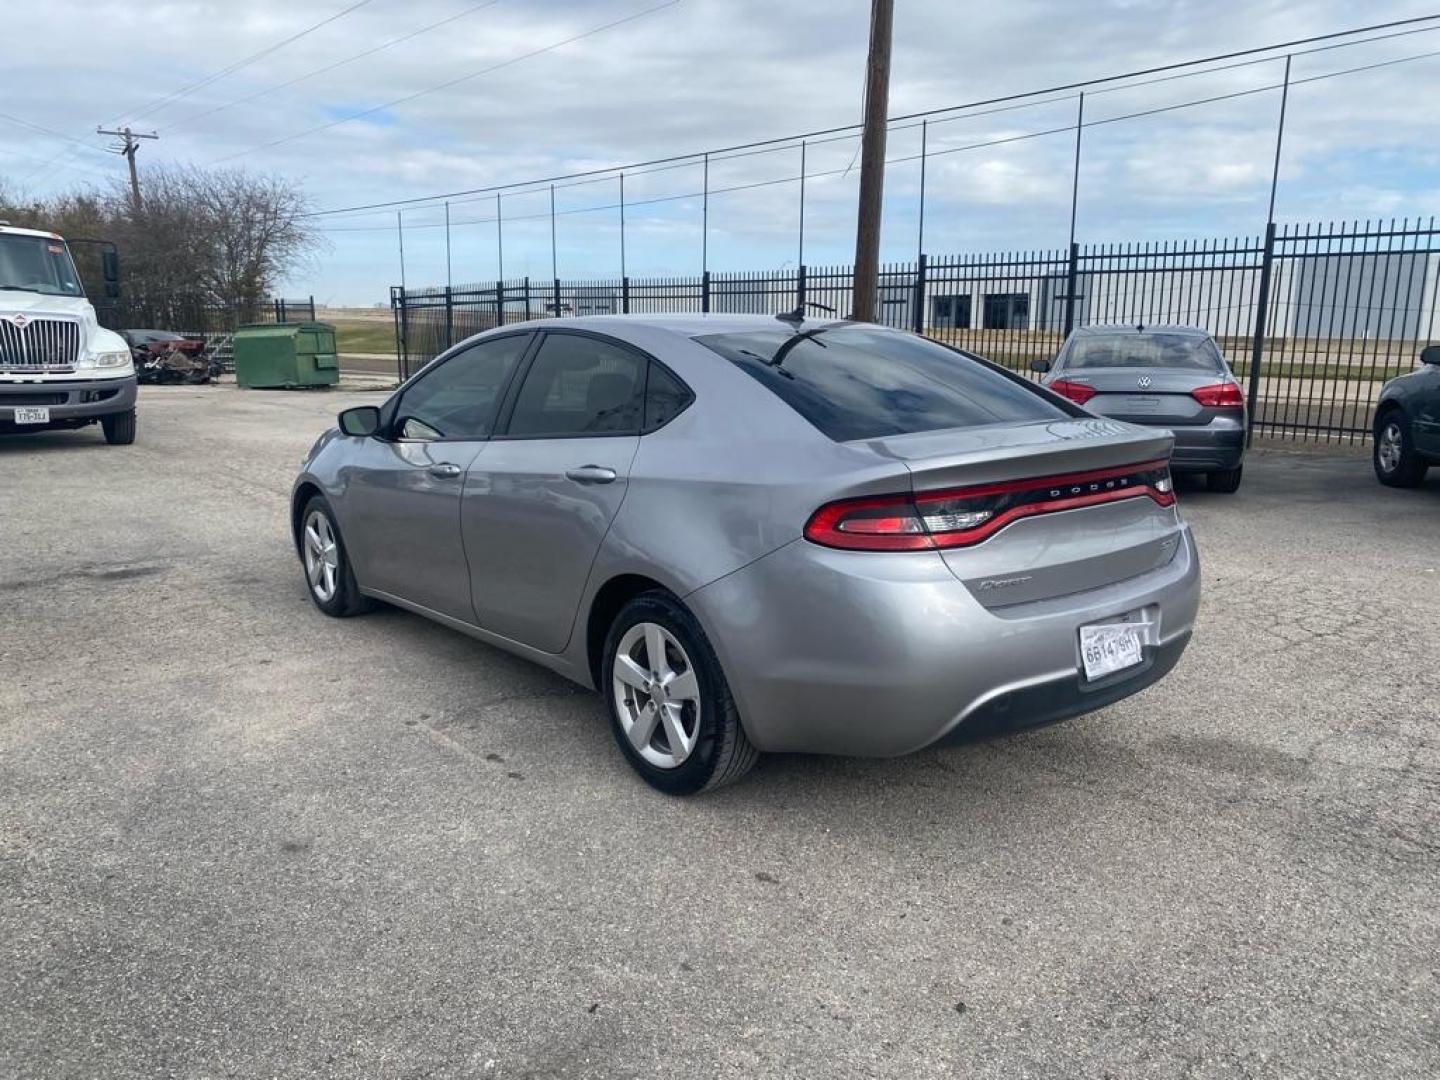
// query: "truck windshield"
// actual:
[[37, 264]]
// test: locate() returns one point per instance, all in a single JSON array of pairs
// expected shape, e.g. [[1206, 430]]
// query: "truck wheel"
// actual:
[[119, 428], [1226, 481]]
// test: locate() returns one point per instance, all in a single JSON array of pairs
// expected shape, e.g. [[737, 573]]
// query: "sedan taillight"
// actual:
[[1077, 392], [1225, 395], [964, 516]]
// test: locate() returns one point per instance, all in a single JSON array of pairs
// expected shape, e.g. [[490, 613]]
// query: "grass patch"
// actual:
[[364, 335]]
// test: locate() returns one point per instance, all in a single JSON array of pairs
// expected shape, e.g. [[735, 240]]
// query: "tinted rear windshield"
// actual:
[[858, 383], [1184, 351]]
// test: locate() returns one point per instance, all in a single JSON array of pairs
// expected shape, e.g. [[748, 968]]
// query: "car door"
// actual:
[[1426, 428], [540, 499], [403, 492]]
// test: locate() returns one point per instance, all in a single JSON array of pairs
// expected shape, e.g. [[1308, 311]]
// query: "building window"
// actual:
[[1007, 311], [950, 312]]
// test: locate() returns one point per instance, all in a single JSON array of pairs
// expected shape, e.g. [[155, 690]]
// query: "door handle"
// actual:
[[591, 474], [445, 471]]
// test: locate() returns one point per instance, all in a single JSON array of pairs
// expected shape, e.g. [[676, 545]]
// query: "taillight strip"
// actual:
[[907, 529]]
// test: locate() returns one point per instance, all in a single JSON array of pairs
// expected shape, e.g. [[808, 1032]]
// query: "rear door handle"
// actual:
[[445, 471], [591, 474]]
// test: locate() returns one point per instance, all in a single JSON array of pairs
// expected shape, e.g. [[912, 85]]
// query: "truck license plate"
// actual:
[[32, 415], [1108, 648]]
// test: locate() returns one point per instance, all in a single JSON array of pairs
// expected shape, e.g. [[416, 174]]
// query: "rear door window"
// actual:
[[862, 383], [579, 385]]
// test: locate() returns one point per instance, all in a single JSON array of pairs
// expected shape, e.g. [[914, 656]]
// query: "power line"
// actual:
[[1005, 140], [175, 95], [184, 120], [448, 84], [792, 140], [48, 131]]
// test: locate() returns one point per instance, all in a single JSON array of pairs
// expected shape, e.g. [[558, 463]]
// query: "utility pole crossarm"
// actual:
[[129, 144]]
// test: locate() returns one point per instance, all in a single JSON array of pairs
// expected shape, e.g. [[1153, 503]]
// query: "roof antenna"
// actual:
[[798, 315]]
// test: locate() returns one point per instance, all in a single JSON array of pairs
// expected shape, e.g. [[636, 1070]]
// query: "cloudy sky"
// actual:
[[476, 94]]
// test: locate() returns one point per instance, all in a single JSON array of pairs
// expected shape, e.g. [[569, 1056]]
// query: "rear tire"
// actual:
[[1226, 481], [329, 578], [1396, 462], [119, 428], [673, 718]]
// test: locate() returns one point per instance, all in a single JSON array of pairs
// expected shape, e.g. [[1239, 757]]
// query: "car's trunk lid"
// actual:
[[1086, 522], [1146, 395]]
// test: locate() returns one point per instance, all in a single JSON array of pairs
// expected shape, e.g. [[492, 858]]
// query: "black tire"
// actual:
[[346, 599], [722, 753], [1408, 471], [1226, 481], [119, 428]]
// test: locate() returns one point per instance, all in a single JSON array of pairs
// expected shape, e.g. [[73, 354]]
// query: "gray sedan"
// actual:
[[1165, 376], [755, 534]]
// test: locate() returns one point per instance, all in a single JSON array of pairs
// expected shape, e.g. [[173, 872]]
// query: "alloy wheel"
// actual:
[[1391, 448], [322, 556], [657, 695]]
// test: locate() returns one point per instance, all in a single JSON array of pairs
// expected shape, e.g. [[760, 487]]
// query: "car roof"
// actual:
[[16, 230], [1121, 329], [689, 325]]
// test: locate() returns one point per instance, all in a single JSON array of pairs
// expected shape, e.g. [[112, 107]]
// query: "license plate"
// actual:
[[1108, 648], [32, 415]]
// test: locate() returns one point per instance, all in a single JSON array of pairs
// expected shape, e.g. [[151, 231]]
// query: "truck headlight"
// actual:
[[118, 359]]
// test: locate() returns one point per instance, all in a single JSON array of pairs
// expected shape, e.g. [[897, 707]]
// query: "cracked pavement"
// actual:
[[238, 839]]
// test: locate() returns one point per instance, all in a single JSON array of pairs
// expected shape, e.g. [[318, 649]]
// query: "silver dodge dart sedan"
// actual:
[[761, 534]]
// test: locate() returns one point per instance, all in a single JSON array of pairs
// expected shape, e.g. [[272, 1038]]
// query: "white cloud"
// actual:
[[708, 73]]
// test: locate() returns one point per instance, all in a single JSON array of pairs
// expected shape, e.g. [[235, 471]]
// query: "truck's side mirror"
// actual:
[[110, 269], [1040, 364], [362, 421], [1430, 354]]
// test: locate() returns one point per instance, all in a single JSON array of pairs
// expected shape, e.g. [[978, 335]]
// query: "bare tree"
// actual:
[[223, 236]]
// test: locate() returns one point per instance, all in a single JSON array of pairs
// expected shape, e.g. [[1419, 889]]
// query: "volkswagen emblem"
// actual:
[[1143, 382]]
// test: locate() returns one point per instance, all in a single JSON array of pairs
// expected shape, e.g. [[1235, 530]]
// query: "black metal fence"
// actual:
[[1312, 318], [189, 313]]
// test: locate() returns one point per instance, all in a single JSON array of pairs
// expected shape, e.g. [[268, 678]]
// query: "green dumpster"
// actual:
[[286, 354]]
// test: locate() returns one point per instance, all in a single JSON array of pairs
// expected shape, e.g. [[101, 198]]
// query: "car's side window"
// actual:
[[459, 399], [579, 385], [665, 397]]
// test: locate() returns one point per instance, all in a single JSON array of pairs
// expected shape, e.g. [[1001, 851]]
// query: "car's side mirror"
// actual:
[[1041, 365], [1430, 354], [362, 421], [110, 266]]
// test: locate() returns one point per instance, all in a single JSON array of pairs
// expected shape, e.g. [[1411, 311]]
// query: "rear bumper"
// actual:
[[1209, 448], [71, 402], [879, 654]]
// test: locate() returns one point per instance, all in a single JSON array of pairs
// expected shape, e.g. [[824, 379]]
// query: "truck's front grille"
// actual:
[[39, 344]]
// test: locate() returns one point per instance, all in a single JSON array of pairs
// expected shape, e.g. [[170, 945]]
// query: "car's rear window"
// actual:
[[1187, 352], [859, 383]]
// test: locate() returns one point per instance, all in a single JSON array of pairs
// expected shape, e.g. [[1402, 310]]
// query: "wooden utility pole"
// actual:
[[129, 144], [872, 162]]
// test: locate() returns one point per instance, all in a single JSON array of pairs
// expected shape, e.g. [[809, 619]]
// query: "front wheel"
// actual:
[[670, 707], [1396, 462], [328, 574], [119, 428]]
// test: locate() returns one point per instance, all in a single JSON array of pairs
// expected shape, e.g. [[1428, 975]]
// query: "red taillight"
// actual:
[[1225, 395], [1077, 392], [960, 517]]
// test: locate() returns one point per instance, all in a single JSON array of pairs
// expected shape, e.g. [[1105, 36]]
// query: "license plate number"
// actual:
[[1108, 648], [33, 414]]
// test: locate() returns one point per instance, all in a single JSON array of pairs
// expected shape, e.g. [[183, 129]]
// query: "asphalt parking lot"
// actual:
[[239, 839]]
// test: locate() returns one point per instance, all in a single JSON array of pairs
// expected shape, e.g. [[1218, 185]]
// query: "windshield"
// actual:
[[1184, 351], [37, 264], [860, 383]]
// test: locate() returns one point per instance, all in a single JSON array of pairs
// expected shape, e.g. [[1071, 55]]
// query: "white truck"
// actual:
[[58, 367]]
